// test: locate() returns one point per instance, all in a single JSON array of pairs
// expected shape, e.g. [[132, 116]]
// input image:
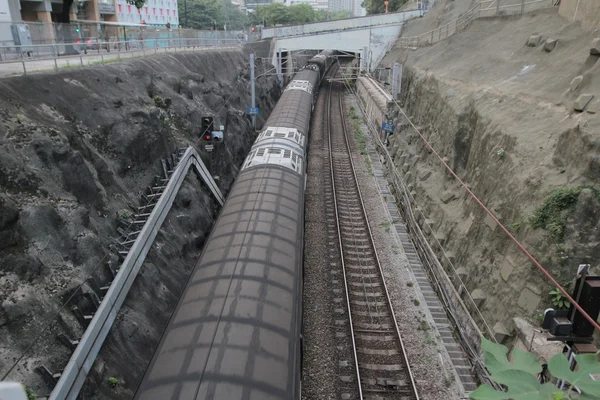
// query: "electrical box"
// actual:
[[22, 36], [561, 326], [217, 136], [590, 302]]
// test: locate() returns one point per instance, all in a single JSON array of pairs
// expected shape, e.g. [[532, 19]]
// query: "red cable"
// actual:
[[521, 247]]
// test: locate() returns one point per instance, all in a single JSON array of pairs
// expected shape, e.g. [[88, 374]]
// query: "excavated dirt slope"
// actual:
[[501, 114], [77, 148]]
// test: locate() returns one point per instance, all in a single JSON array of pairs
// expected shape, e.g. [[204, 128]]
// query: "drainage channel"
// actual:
[[434, 306]]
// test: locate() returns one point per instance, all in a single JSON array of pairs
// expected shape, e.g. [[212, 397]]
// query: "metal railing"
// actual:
[[16, 60], [485, 8], [74, 374], [52, 33]]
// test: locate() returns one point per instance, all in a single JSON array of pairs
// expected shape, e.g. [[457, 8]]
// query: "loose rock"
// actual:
[[534, 40], [550, 44], [582, 101]]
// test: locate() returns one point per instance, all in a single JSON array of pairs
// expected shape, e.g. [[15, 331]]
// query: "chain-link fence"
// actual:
[[36, 39]]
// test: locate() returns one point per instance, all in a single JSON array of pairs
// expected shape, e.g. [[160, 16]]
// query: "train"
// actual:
[[236, 330]]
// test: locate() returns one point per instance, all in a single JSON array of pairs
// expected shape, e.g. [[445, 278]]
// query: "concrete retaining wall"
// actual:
[[341, 24], [376, 101]]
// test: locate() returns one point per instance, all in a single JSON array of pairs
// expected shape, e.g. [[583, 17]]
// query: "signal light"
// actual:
[[206, 128]]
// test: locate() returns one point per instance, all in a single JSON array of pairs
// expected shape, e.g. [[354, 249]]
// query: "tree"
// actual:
[[277, 13], [202, 13], [378, 7]]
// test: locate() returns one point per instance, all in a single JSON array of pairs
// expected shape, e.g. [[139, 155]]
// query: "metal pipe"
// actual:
[[252, 89]]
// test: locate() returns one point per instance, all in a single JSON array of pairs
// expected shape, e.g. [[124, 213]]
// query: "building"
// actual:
[[342, 5], [359, 10], [315, 4], [40, 18], [154, 12]]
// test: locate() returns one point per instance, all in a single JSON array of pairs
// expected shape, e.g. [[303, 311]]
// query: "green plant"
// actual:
[[519, 376], [558, 205], [159, 102], [409, 284], [501, 153], [113, 382], [416, 302], [424, 326], [20, 118], [515, 226], [31, 395], [386, 225], [558, 299], [124, 214]]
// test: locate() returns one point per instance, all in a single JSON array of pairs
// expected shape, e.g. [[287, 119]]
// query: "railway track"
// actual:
[[377, 367]]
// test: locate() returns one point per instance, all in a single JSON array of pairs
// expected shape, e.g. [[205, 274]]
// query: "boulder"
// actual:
[[595, 50], [593, 107], [575, 83], [534, 40], [550, 44], [424, 175], [447, 197], [582, 101]]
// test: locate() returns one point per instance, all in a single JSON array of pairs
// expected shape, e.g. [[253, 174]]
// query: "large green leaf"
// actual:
[[486, 392], [496, 360], [587, 363]]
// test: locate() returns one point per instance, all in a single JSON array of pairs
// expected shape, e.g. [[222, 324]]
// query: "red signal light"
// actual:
[[208, 137]]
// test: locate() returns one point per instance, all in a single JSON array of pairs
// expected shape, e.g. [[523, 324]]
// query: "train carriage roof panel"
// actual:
[[235, 332]]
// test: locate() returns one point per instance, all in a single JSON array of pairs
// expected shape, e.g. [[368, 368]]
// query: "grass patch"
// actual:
[[558, 205], [410, 284], [113, 382], [31, 395], [424, 326], [387, 225], [416, 302], [361, 139]]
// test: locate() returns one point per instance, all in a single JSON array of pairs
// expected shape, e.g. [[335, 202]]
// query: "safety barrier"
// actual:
[[80, 364]]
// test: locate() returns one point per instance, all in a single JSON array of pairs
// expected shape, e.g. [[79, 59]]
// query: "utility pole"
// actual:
[[396, 81], [252, 88], [185, 12], [279, 68]]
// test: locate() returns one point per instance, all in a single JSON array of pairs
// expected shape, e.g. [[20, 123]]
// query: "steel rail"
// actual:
[[371, 239], [339, 231], [82, 359], [387, 295]]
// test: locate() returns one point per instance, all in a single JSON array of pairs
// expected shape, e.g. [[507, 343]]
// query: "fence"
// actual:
[[93, 32], [21, 60], [485, 8]]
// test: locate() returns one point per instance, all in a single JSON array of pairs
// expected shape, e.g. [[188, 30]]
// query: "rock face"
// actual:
[[9, 214], [76, 148]]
